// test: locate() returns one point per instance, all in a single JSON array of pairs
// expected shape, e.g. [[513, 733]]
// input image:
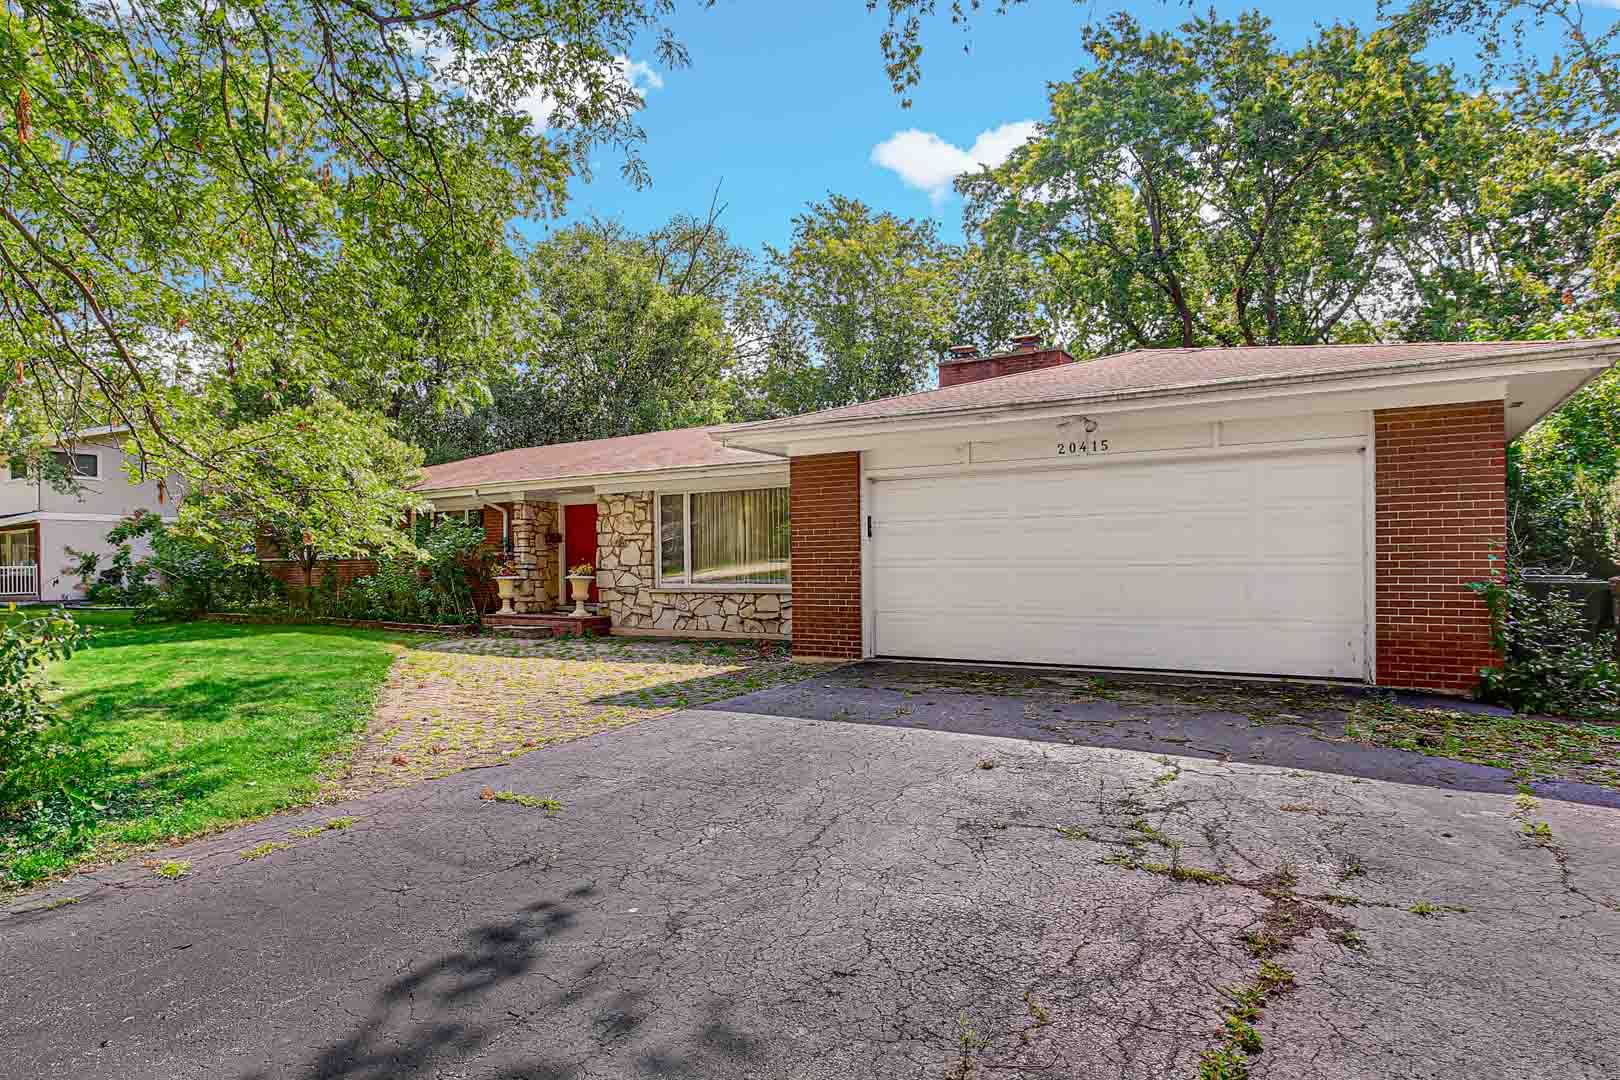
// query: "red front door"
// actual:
[[579, 538]]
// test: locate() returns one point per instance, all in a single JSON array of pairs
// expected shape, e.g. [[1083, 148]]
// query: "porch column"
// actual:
[[536, 556]]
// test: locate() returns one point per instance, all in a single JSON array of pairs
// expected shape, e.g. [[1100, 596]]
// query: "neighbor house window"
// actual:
[[724, 539], [80, 465], [17, 548], [84, 465]]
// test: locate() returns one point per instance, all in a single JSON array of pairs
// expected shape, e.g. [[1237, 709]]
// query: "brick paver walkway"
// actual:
[[478, 701]]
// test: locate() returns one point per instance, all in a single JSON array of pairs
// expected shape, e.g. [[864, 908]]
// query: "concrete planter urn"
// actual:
[[580, 579], [507, 585]]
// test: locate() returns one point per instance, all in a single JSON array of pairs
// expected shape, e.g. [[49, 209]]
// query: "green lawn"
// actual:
[[177, 729]]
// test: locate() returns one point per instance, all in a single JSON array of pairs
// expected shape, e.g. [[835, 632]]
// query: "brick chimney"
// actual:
[[965, 365]]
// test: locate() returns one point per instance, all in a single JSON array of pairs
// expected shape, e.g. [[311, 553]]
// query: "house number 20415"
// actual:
[[1082, 446]]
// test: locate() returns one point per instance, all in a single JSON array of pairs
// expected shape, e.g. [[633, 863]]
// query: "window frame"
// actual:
[[74, 458], [461, 515], [688, 586]]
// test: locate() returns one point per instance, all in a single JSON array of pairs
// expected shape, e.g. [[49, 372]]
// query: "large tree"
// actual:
[[856, 307], [241, 226], [1205, 186], [614, 333]]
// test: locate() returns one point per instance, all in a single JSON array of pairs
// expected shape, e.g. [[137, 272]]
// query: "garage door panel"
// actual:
[[1244, 565], [1329, 533], [1101, 642], [1138, 592]]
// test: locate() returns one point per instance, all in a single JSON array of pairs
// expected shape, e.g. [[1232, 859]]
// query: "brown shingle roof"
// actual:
[[684, 448], [1148, 370]]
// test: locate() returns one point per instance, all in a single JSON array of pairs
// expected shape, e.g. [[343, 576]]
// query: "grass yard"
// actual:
[[173, 730]]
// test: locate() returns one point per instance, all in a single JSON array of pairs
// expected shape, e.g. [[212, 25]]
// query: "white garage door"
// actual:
[[1242, 564]]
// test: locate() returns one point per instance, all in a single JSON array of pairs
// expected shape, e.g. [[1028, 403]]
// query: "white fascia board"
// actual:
[[91, 433], [46, 516], [601, 483], [1402, 383], [708, 479], [1013, 423]]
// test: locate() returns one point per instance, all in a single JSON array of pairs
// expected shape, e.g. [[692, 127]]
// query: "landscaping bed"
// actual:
[[244, 619]]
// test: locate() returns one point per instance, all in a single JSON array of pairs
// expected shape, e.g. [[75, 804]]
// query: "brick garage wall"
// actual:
[[825, 505], [1441, 515]]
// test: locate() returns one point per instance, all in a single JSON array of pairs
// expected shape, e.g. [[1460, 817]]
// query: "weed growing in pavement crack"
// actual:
[[1038, 1013], [533, 802], [969, 1042], [171, 868], [1538, 831], [259, 851], [59, 902], [1430, 911], [1169, 776], [1240, 1040], [315, 830], [1154, 836], [1172, 869]]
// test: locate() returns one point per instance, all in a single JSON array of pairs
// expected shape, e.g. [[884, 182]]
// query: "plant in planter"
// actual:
[[579, 584], [507, 575]]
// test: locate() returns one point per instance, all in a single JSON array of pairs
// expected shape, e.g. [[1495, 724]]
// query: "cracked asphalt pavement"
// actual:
[[863, 875]]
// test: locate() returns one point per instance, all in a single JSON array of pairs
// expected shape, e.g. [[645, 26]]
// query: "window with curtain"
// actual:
[[724, 539]]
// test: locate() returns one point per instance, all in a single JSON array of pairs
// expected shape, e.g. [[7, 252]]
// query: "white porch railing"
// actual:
[[17, 580]]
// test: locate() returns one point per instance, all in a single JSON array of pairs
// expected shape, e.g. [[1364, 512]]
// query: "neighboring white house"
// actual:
[[39, 522]]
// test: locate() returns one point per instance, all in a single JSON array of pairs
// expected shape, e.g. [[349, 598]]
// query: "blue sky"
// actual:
[[786, 102]]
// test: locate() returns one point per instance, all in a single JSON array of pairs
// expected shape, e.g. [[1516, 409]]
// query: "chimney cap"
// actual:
[[1026, 341], [963, 352]]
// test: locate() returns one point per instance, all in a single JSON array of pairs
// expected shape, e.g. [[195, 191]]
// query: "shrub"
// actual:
[[25, 648], [432, 586], [123, 582], [180, 579], [1552, 663]]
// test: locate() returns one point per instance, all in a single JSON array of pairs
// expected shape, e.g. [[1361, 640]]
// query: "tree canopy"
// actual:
[[275, 239], [1205, 186], [251, 231], [613, 333]]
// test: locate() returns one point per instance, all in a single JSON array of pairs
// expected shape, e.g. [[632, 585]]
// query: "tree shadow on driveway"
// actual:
[[1286, 725], [446, 1012]]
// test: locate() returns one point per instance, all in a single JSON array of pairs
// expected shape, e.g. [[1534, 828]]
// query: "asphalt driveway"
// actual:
[[881, 872]]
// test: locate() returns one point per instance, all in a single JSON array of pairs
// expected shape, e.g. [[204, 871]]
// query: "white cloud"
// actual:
[[927, 162], [639, 74], [635, 75]]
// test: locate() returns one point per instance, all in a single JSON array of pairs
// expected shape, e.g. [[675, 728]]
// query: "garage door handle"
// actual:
[[869, 526]]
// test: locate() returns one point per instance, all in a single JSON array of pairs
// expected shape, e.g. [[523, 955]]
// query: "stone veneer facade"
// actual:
[[538, 561], [625, 550]]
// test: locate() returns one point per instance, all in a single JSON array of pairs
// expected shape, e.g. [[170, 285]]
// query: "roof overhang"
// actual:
[[1532, 382], [541, 488]]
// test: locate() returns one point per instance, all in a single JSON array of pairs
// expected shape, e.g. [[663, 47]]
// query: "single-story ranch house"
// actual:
[[1311, 511]]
